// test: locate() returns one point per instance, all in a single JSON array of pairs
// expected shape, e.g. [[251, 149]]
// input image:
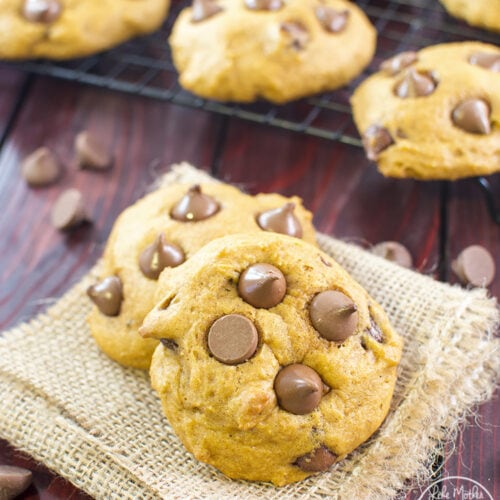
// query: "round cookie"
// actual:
[[164, 229], [243, 50], [433, 114], [62, 29], [482, 13], [271, 393]]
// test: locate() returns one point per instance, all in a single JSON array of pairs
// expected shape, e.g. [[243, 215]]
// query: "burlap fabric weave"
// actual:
[[101, 426]]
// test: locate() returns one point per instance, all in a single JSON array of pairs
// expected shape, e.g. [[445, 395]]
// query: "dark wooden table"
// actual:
[[350, 199]]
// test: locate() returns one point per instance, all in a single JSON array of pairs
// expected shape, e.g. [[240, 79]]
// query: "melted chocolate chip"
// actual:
[[232, 339], [68, 210], [281, 220], [42, 11], [13, 481], [474, 266], [41, 168], [374, 331], [195, 206], [334, 315], [170, 344], [159, 255], [375, 140], [297, 32], [332, 20], [472, 115], [264, 4], [318, 460], [91, 153], [107, 295], [395, 252], [298, 388], [414, 84], [400, 61], [262, 285], [486, 60], [203, 9]]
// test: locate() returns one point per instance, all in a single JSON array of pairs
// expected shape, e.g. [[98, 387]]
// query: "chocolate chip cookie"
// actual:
[[433, 114], [274, 363], [481, 13], [243, 50], [163, 230], [62, 29]]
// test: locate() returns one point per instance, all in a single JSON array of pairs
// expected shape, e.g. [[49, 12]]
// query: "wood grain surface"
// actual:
[[350, 200]]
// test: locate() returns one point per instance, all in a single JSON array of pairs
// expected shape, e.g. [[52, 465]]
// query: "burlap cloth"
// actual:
[[101, 426]]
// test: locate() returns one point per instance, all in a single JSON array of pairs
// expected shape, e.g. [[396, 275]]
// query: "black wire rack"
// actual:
[[144, 67]]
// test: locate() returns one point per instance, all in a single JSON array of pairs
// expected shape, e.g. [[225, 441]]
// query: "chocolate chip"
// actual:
[[395, 64], [374, 331], [375, 140], [107, 295], [281, 220], [42, 11], [393, 251], [170, 344], [472, 115], [195, 206], [41, 168], [474, 266], [334, 315], [325, 262], [203, 9], [332, 20], [298, 388], [297, 32], [159, 255], [414, 84], [262, 285], [318, 460], [486, 60], [232, 339], [68, 210], [264, 4], [13, 481], [91, 153]]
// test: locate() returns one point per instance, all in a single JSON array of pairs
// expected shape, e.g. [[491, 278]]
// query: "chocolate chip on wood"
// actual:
[[474, 266], [41, 168], [91, 153], [13, 481], [69, 210]]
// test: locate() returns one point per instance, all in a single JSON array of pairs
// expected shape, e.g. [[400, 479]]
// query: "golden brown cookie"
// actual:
[[243, 50], [164, 229], [433, 114], [62, 29], [274, 362], [481, 13]]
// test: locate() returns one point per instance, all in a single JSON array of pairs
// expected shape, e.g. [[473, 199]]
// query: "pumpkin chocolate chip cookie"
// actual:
[[62, 29], [163, 230], [274, 362], [481, 13], [243, 50], [433, 114]]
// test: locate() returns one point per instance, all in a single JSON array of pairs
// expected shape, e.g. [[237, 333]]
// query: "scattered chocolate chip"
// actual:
[[297, 32], [375, 140], [107, 295], [474, 266], [486, 60], [318, 460], [262, 285], [414, 84], [42, 11], [334, 315], [41, 168], [13, 481], [170, 344], [195, 206], [472, 115], [91, 153], [159, 255], [232, 339], [298, 388], [332, 20], [281, 220], [393, 251], [374, 331], [400, 61], [68, 210], [203, 9], [264, 4]]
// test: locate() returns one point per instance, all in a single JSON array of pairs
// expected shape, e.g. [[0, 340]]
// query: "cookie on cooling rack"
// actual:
[[243, 50], [274, 362], [433, 114], [63, 29], [481, 13], [163, 230]]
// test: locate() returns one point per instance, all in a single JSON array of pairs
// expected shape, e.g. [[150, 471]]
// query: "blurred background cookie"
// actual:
[[482, 13]]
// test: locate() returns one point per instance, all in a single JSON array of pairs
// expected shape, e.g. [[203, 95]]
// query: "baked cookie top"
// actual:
[[274, 362], [279, 50], [162, 230], [433, 114], [62, 29], [482, 13]]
